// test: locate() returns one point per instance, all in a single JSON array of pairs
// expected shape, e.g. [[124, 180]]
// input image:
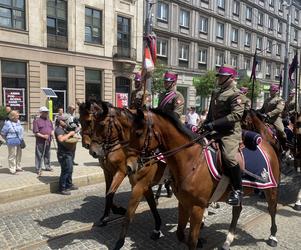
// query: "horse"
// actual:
[[86, 119], [193, 184], [111, 130]]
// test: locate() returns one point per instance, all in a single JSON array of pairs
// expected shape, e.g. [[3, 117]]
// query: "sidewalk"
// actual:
[[26, 184]]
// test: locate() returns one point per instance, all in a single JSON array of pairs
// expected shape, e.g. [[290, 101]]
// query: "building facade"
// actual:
[[199, 35], [81, 49]]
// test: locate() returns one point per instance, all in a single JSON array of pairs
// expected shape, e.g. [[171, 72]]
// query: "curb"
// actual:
[[23, 192]]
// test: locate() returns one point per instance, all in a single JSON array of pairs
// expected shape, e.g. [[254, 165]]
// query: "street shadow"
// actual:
[[4, 170], [92, 164], [30, 169]]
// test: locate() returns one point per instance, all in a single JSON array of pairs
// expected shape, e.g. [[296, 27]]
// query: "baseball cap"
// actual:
[[44, 109]]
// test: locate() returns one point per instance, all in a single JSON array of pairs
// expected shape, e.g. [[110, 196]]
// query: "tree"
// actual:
[[245, 82], [157, 75], [205, 84]]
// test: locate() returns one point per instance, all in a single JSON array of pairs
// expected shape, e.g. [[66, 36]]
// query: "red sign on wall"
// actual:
[[122, 100], [15, 98]]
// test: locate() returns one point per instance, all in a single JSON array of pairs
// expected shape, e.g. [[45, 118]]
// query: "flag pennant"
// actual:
[[255, 62], [292, 68], [280, 78]]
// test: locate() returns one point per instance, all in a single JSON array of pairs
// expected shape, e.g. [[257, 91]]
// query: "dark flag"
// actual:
[[292, 68], [255, 62], [280, 78]]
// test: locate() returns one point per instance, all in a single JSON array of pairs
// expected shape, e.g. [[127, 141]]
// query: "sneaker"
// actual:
[[73, 187], [19, 170], [65, 192], [75, 164]]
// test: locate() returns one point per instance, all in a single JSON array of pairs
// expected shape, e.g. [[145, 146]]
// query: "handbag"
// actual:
[[22, 142]]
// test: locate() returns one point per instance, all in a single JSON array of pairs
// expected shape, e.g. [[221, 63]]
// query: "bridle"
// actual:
[[110, 142]]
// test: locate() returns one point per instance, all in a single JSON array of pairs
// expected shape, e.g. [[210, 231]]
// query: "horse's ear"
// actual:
[[140, 114]]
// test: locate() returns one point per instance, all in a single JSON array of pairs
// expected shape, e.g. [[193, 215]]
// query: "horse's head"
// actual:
[[86, 121]]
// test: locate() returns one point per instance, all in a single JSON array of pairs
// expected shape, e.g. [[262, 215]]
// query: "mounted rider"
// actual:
[[171, 100], [225, 113], [246, 100], [137, 94], [289, 108], [272, 108]]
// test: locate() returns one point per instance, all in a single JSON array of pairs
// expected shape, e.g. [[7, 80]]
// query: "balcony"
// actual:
[[124, 54]]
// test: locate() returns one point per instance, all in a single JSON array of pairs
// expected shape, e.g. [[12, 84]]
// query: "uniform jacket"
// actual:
[[289, 108], [137, 98], [226, 110], [173, 104], [273, 107], [247, 101]]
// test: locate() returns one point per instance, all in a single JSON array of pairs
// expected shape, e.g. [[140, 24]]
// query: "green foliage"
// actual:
[[245, 82], [205, 84], [157, 75], [2, 113]]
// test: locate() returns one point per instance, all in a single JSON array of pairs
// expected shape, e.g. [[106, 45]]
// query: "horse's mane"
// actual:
[[175, 122]]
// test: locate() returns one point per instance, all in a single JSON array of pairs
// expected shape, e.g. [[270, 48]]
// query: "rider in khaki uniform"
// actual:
[[171, 100], [137, 94], [246, 100], [273, 108], [224, 116], [289, 107]]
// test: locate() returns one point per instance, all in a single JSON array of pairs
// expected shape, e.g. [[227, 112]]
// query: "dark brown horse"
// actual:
[[87, 121], [193, 184], [111, 128]]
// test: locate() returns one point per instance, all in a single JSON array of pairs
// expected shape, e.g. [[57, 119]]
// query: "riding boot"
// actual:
[[236, 194]]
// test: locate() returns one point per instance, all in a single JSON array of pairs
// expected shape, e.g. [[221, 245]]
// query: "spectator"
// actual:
[[192, 118], [8, 110], [70, 112], [12, 132], [203, 116], [65, 154], [43, 130]]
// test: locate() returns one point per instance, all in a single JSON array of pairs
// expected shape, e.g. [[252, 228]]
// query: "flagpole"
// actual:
[[252, 94], [253, 77]]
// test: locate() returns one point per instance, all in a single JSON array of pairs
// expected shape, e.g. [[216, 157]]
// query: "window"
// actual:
[[258, 68], [221, 4], [247, 39], [249, 13], [271, 3], [163, 11], [234, 60], [162, 47], [93, 84], [220, 30], [124, 36], [247, 63], [259, 43], [260, 18], [219, 58], [14, 76], [261, 2], [280, 6], [269, 46], [268, 70], [234, 38], [278, 49], [12, 14], [57, 24], [183, 54], [270, 23], [295, 34], [279, 27], [277, 72], [236, 8], [58, 81], [203, 24], [93, 31], [202, 58], [184, 18], [296, 16]]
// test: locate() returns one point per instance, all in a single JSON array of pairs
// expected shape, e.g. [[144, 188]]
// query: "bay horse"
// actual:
[[193, 184], [111, 130]]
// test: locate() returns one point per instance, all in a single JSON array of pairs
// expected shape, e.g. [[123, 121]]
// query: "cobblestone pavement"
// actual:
[[56, 222]]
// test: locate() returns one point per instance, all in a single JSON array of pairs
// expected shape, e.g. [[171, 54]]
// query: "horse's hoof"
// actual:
[[272, 242], [297, 207], [119, 210], [119, 244], [155, 235], [102, 222], [201, 242]]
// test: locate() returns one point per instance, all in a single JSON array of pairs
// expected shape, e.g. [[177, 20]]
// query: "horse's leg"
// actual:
[[137, 193], [231, 233], [182, 222], [195, 223], [158, 193], [153, 207], [117, 180], [272, 197]]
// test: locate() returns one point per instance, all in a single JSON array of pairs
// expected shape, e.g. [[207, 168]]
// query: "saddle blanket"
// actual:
[[257, 173]]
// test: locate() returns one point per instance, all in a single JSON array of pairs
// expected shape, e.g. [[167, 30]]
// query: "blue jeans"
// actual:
[[66, 162]]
